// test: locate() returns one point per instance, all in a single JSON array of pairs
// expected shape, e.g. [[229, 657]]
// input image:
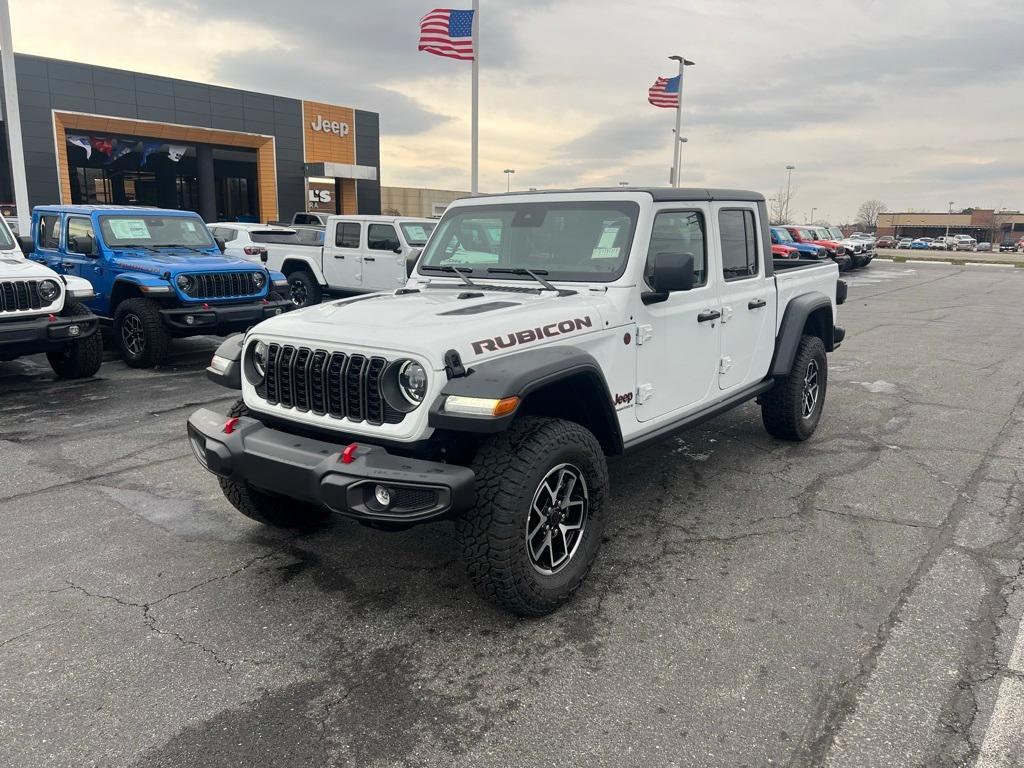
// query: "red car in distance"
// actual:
[[835, 251], [784, 252]]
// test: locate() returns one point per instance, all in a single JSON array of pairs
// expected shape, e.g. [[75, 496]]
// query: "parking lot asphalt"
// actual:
[[850, 601]]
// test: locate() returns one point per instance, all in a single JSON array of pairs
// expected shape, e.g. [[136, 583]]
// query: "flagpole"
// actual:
[[679, 124], [13, 117], [475, 130]]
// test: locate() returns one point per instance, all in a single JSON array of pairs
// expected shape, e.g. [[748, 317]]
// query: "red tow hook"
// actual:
[[349, 454], [230, 424]]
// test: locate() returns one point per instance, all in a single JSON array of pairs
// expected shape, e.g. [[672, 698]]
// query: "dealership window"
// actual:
[[348, 233], [382, 237], [739, 243]]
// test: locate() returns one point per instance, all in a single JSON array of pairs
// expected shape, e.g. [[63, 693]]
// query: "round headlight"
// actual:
[[184, 282], [49, 291], [259, 358], [412, 382], [259, 279]]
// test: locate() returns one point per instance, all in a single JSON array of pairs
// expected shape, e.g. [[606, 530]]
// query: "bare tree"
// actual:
[[778, 206], [867, 214]]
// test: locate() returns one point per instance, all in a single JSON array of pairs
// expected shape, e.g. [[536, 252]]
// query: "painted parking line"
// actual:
[[988, 264], [1002, 746]]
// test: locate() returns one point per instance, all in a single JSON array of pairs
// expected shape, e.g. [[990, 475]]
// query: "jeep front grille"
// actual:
[[223, 285], [21, 295], [327, 384]]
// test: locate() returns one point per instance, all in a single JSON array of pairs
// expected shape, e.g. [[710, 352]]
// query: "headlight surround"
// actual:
[[404, 385], [259, 358], [49, 291], [259, 280], [185, 283]]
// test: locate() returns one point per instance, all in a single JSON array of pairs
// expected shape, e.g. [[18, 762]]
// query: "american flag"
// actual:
[[447, 32], [664, 92]]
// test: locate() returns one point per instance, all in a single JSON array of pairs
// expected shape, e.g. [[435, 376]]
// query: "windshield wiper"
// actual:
[[178, 245], [534, 273], [460, 271]]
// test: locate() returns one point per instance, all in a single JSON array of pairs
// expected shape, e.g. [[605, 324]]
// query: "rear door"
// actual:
[[678, 339], [747, 294], [384, 258], [343, 257]]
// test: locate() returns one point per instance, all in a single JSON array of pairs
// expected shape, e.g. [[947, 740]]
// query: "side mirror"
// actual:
[[82, 244], [27, 244], [397, 248], [220, 244], [671, 272], [411, 259]]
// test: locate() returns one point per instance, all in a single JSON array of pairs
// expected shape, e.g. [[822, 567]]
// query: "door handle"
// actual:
[[369, 258], [708, 314], [757, 304]]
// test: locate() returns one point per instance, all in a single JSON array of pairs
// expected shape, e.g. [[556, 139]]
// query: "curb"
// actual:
[[1019, 264]]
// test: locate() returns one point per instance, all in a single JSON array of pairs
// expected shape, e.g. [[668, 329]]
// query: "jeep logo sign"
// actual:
[[329, 126]]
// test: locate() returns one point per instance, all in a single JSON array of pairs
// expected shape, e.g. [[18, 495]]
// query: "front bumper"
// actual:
[[221, 319], [844, 260], [314, 471], [43, 334]]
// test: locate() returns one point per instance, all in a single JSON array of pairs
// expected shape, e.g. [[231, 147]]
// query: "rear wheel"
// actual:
[[530, 542], [82, 358], [792, 409], [140, 334], [303, 289], [269, 508]]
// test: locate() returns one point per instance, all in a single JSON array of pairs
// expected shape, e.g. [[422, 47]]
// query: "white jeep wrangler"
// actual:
[[538, 335], [42, 311]]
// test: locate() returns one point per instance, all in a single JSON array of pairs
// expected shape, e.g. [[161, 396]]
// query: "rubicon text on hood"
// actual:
[[531, 334]]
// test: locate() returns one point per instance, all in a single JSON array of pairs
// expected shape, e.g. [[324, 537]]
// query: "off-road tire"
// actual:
[[269, 508], [509, 468], [81, 358], [782, 406], [156, 339], [304, 282]]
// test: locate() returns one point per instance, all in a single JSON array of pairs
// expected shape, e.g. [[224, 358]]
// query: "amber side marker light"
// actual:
[[480, 406]]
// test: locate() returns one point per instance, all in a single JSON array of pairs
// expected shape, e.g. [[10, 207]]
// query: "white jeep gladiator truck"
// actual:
[[43, 311], [539, 335]]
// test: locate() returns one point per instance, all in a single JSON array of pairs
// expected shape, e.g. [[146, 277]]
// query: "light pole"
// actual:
[[789, 186], [508, 179], [12, 118], [950, 212], [812, 214], [676, 148]]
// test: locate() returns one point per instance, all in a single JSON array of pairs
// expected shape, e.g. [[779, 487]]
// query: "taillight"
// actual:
[[254, 250]]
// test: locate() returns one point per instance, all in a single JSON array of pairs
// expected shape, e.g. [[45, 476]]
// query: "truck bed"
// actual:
[[797, 276]]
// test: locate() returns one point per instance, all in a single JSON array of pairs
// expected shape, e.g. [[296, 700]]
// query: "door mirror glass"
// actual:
[[670, 272], [27, 244], [411, 259]]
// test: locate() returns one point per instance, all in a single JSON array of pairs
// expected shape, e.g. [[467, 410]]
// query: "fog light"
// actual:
[[383, 495], [74, 330], [277, 310], [190, 320]]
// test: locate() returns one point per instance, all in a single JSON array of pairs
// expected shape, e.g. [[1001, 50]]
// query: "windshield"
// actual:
[[155, 231], [836, 232], [6, 238], [565, 241], [782, 235], [416, 233], [807, 234]]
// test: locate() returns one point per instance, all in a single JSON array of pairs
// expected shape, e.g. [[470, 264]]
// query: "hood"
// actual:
[[15, 266], [431, 321], [179, 261]]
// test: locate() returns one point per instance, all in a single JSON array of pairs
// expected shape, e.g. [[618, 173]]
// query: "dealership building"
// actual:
[[96, 135], [983, 224]]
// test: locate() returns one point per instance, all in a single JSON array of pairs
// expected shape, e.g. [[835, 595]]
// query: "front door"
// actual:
[[678, 339], [384, 260], [81, 255], [343, 258], [748, 297]]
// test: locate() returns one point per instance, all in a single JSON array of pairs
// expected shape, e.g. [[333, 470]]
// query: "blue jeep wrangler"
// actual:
[[158, 274]]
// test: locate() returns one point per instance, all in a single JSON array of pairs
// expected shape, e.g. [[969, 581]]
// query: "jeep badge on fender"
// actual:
[[481, 391]]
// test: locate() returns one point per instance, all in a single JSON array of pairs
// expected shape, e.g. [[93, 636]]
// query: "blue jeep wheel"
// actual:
[[140, 334]]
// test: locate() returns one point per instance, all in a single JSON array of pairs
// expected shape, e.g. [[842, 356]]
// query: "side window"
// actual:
[[80, 227], [382, 237], [680, 232], [49, 232], [739, 243], [227, 234], [347, 234], [300, 218]]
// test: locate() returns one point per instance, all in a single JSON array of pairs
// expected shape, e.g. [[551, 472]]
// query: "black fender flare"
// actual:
[[794, 321], [522, 374], [231, 350]]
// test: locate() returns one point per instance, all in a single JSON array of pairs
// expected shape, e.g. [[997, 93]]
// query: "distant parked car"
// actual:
[[921, 243], [781, 236], [963, 243], [1007, 246], [885, 242], [784, 252], [983, 246], [904, 243], [938, 244], [249, 241]]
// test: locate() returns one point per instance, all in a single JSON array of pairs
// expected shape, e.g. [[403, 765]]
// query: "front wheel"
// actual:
[[792, 409], [140, 334], [532, 538], [78, 359]]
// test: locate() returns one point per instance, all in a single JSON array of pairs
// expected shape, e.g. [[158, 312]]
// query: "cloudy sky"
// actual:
[[913, 102]]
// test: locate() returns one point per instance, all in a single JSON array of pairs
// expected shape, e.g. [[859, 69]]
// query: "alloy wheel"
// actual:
[[558, 518], [133, 335], [299, 294], [811, 389]]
